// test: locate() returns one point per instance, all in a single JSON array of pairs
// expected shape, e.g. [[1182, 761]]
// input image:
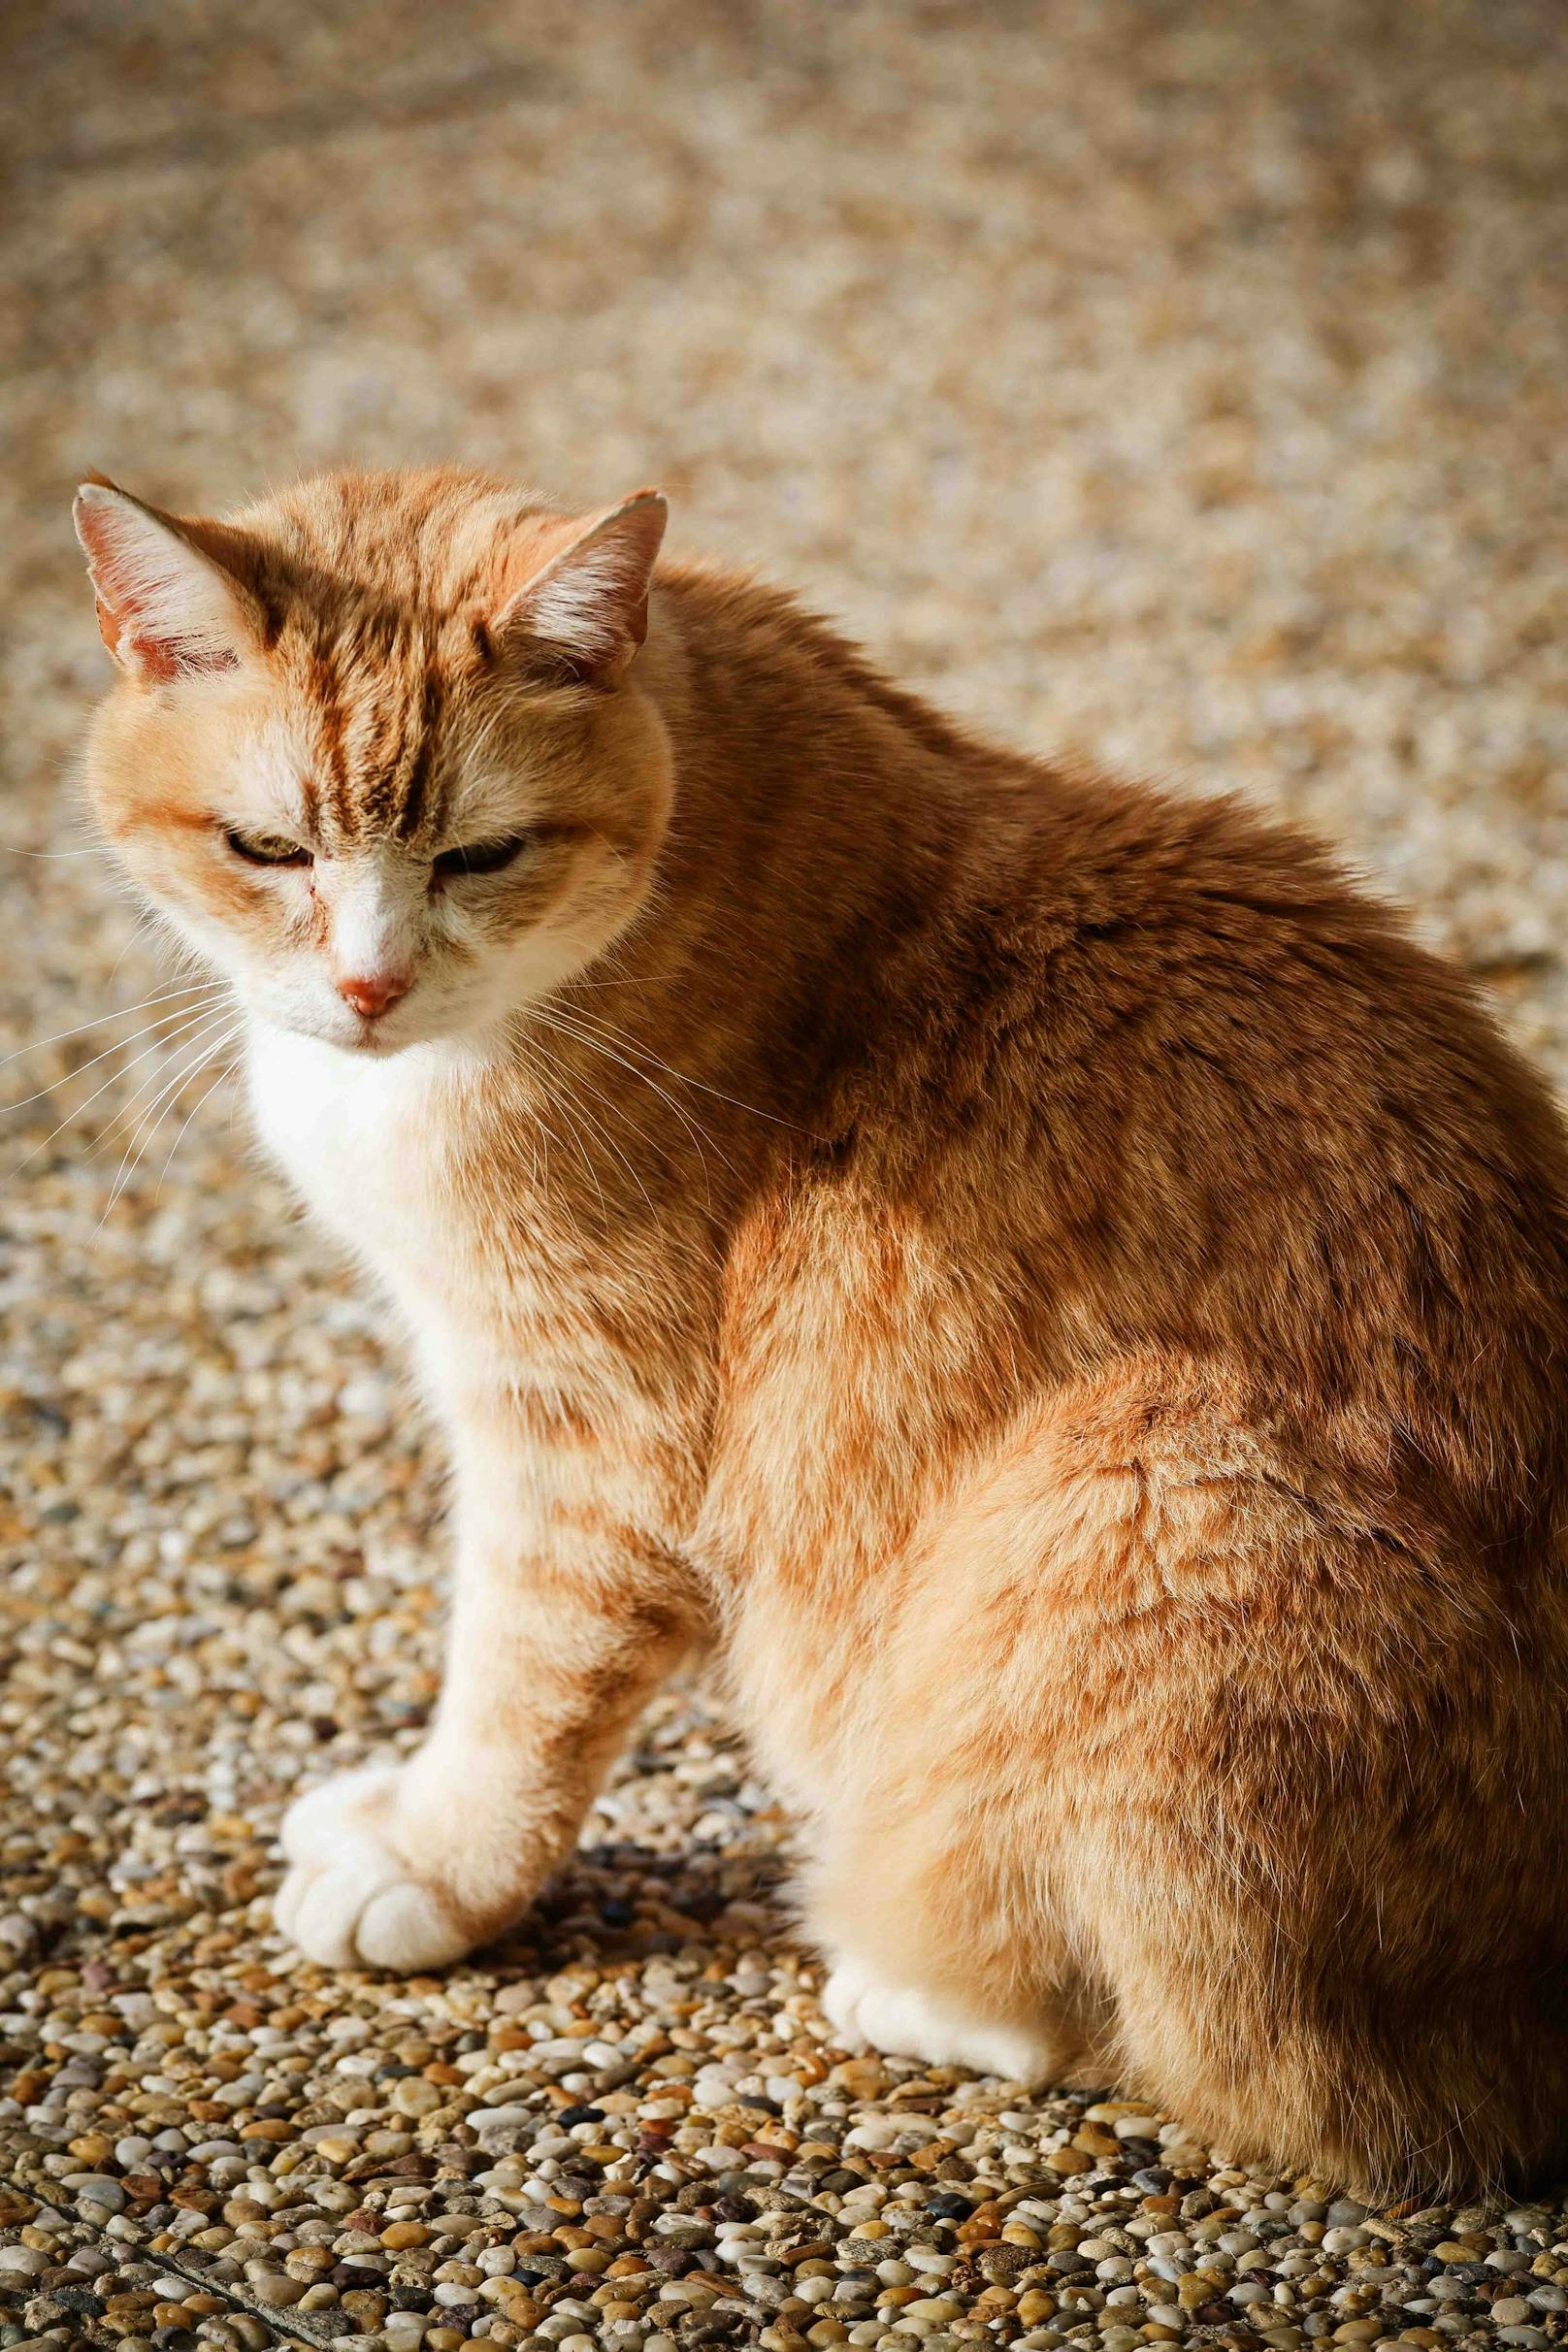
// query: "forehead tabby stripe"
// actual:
[[417, 786], [325, 688]]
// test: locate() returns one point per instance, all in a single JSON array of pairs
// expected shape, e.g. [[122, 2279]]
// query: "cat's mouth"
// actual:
[[371, 1038]]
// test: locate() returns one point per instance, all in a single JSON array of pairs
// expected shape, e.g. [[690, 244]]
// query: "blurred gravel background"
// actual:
[[1183, 383]]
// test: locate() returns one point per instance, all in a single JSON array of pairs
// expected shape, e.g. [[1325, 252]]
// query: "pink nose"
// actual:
[[371, 993]]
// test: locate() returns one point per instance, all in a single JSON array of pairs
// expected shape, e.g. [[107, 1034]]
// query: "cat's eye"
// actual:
[[481, 857], [266, 849]]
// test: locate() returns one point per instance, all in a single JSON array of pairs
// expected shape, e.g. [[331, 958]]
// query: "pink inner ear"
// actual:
[[157, 661], [163, 661], [162, 608], [108, 626]]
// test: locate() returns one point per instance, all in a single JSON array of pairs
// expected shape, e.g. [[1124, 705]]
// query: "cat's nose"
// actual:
[[371, 992]]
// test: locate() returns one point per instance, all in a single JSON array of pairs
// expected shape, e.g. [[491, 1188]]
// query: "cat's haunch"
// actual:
[[1043, 1275]]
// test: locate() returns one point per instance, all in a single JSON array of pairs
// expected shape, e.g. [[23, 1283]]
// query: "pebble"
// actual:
[[96, 2188], [276, 2289]]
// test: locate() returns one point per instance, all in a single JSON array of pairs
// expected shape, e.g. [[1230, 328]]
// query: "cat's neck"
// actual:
[[821, 818]]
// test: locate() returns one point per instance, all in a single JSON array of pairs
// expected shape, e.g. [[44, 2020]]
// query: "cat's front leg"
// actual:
[[555, 1645]]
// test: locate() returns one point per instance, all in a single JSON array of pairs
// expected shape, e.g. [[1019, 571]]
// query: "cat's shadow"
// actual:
[[620, 1902]]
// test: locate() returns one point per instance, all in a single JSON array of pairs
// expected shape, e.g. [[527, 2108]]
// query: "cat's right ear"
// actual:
[[167, 606], [583, 616]]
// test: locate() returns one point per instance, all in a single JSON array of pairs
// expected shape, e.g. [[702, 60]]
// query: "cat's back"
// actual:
[[1216, 1099], [1197, 962]]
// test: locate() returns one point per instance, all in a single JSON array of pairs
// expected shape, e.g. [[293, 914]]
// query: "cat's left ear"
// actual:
[[169, 606], [583, 617]]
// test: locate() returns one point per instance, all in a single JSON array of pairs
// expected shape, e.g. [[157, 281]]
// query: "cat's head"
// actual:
[[375, 749]]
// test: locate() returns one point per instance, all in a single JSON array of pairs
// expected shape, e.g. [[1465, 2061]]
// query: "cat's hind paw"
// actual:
[[903, 2023], [350, 1900]]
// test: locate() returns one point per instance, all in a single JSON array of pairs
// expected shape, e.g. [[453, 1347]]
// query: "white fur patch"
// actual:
[[903, 2023], [366, 1143], [349, 1901]]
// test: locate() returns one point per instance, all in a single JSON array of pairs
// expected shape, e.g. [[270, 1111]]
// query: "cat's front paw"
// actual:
[[356, 1895]]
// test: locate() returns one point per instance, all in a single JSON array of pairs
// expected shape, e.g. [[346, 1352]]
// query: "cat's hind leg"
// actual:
[[1239, 1760], [933, 1958], [868, 2013]]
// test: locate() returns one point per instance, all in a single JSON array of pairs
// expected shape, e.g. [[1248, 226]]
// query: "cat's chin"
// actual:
[[376, 1041], [374, 1047], [369, 1042]]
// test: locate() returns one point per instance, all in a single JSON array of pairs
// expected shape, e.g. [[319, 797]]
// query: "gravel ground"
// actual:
[[1178, 381]]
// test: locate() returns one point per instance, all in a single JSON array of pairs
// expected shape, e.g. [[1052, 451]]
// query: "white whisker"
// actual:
[[539, 1125], [7, 851], [601, 1131], [583, 1155], [227, 1071], [698, 1133], [158, 1083], [606, 1029], [123, 1013], [157, 1110], [118, 1047], [195, 1014]]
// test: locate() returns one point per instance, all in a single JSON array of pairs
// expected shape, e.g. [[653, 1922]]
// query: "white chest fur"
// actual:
[[376, 1148], [353, 1134], [370, 1145]]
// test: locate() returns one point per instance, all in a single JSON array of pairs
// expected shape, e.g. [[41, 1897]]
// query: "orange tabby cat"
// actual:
[[1045, 1278]]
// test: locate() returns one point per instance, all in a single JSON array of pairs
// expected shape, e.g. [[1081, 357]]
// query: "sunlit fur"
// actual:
[[1044, 1280]]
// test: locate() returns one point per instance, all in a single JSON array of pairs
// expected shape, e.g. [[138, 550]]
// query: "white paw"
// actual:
[[351, 1900], [841, 2001], [903, 2023]]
